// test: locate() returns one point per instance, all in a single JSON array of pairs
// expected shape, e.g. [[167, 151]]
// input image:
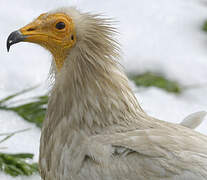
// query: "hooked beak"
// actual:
[[15, 37]]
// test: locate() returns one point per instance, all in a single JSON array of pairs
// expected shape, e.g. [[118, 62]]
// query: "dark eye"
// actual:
[[60, 25]]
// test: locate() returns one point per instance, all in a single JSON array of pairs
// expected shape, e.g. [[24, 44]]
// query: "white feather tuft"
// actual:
[[194, 120]]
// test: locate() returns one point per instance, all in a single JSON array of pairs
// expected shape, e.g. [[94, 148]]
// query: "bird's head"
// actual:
[[87, 38], [89, 81], [54, 31]]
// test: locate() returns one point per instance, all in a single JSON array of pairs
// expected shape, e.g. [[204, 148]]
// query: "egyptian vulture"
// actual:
[[94, 128]]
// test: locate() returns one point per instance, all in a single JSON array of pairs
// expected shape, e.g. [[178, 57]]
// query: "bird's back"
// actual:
[[164, 151], [171, 152]]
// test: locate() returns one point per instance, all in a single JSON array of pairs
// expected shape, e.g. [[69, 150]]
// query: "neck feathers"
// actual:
[[91, 90]]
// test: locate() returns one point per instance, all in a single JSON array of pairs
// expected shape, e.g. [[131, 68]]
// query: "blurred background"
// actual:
[[164, 47]]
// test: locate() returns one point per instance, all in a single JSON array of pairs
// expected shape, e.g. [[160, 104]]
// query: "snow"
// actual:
[[156, 35]]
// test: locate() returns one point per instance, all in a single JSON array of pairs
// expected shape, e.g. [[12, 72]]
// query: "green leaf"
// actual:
[[149, 79], [204, 27], [23, 155], [34, 111], [9, 135], [15, 164], [17, 94]]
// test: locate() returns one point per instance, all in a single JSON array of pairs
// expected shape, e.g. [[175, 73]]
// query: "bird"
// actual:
[[95, 128]]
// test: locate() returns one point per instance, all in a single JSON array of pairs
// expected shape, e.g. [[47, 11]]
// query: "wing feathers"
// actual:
[[159, 152]]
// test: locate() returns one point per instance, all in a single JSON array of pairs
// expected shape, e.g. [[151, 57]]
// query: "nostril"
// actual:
[[31, 29]]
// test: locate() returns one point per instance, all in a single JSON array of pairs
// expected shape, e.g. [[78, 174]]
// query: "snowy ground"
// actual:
[[156, 35]]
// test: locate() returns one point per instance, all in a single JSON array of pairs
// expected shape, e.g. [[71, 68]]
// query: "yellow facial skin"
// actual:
[[55, 32]]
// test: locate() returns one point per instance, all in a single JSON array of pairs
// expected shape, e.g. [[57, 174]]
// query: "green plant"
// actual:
[[16, 164], [33, 111], [148, 79], [204, 27]]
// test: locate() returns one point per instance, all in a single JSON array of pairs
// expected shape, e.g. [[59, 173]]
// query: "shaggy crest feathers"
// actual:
[[92, 84]]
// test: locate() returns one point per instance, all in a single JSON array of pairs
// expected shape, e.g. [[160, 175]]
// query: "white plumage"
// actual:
[[95, 128], [99, 132]]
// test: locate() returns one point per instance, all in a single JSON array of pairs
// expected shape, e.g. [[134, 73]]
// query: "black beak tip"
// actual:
[[8, 46], [14, 38]]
